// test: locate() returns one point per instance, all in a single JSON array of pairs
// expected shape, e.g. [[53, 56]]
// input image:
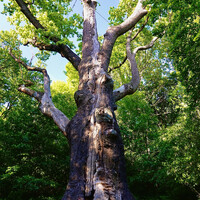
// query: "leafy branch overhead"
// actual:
[[51, 41]]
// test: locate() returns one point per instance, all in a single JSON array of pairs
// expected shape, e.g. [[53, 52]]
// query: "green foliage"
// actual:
[[31, 148], [52, 15], [119, 14], [138, 123], [180, 20], [183, 157], [182, 31], [162, 163], [63, 93], [11, 76]]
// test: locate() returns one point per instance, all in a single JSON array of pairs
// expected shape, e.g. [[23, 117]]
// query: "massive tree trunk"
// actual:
[[97, 166]]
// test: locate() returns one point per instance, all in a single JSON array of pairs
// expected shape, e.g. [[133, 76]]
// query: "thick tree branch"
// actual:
[[31, 93], [46, 105], [61, 48], [115, 31], [132, 86], [64, 50], [136, 34], [42, 46], [90, 43], [29, 15], [131, 21]]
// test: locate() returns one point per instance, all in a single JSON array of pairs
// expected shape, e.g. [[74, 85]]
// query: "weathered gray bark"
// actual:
[[97, 167]]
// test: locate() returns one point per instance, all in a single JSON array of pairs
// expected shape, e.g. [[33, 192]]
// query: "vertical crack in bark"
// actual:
[[103, 184], [90, 168], [99, 183]]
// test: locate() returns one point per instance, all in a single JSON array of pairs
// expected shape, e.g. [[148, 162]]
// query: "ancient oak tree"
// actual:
[[97, 166]]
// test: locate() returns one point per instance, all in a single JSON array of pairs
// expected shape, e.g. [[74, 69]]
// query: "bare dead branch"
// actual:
[[148, 46], [115, 31], [64, 50], [132, 86], [46, 105], [131, 21], [18, 60], [31, 93], [137, 33]]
